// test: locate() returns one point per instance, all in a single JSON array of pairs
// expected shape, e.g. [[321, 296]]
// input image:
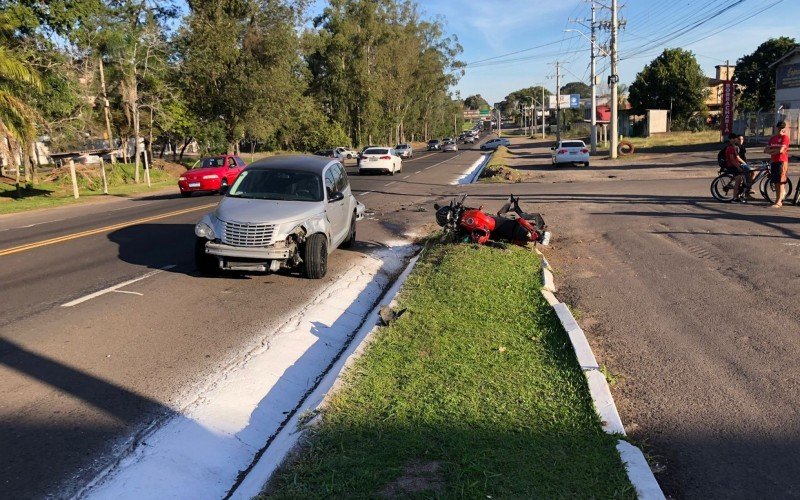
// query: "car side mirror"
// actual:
[[335, 196], [553, 148]]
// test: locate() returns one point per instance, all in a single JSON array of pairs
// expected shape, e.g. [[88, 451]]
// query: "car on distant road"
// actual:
[[382, 160], [343, 153], [404, 150], [434, 145], [469, 139], [449, 146], [495, 143], [570, 151], [281, 212], [327, 153], [212, 174]]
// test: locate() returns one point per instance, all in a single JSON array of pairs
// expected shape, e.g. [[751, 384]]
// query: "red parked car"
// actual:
[[214, 174]]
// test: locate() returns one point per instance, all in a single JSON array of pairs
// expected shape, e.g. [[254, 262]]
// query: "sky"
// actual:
[[715, 30]]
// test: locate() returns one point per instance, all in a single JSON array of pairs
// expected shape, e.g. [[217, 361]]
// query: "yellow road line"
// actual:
[[60, 239]]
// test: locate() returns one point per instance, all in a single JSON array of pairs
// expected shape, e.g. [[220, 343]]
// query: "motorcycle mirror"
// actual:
[[505, 208], [436, 206]]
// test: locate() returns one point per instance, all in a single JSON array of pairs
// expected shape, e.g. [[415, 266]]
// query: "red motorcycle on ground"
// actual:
[[461, 223]]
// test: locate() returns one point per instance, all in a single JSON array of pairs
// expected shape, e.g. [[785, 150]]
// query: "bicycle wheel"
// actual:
[[722, 187], [771, 193]]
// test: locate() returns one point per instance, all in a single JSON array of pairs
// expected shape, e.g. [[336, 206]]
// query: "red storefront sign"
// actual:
[[726, 124]]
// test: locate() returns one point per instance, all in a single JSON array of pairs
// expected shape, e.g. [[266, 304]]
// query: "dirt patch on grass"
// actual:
[[498, 170], [174, 169], [418, 476]]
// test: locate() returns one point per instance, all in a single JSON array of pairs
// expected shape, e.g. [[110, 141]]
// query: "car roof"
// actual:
[[304, 163]]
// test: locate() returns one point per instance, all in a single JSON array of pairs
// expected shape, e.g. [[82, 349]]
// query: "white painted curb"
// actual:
[[639, 473], [647, 487], [288, 436]]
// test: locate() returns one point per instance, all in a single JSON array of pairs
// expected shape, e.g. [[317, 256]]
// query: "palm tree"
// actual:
[[18, 120]]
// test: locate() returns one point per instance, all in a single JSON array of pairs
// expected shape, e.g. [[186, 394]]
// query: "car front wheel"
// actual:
[[351, 235], [206, 264], [315, 257]]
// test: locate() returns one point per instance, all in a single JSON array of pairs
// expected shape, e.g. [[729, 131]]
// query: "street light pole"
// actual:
[[614, 80]]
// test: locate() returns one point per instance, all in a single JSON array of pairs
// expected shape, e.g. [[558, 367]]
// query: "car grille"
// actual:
[[242, 234]]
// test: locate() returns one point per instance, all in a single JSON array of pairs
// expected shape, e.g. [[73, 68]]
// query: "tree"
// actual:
[[18, 120], [674, 81], [382, 72], [581, 88], [754, 73], [510, 105], [475, 102]]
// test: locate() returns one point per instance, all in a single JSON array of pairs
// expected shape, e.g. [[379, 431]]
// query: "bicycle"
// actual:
[[723, 186]]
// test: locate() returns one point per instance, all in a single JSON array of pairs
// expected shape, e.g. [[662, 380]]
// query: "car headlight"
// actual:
[[182, 178], [203, 230], [212, 176]]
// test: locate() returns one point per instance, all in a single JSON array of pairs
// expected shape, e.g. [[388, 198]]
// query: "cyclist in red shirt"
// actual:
[[778, 149], [737, 166]]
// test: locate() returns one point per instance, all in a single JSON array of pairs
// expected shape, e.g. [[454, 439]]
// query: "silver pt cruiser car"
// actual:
[[281, 212]]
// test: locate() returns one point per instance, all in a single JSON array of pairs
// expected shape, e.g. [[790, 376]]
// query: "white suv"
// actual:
[[282, 212]]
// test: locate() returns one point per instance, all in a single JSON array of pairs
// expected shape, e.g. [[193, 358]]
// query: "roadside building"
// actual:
[[787, 80], [787, 91], [715, 88]]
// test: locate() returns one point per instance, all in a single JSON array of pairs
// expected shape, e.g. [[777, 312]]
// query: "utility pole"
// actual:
[[558, 101], [594, 85], [613, 80]]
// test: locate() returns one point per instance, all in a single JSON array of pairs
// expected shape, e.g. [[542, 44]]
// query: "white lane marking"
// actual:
[[406, 176], [390, 183], [365, 193], [31, 225], [421, 157], [126, 291], [114, 288]]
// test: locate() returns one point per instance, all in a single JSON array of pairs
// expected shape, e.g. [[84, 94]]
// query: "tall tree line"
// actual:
[[226, 73]]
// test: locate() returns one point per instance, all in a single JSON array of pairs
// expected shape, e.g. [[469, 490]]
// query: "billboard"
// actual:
[[726, 124], [788, 76], [565, 101]]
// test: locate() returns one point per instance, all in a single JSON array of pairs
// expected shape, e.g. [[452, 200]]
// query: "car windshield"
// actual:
[[401, 146], [573, 144], [218, 161], [375, 151], [277, 184], [434, 141]]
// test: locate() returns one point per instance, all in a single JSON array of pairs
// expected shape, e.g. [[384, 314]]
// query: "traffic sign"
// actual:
[[574, 100], [485, 110]]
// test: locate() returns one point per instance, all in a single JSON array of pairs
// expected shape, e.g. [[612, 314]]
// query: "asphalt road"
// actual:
[[78, 383], [692, 306]]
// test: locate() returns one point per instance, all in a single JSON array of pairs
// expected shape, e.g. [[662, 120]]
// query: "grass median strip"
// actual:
[[474, 391], [498, 170]]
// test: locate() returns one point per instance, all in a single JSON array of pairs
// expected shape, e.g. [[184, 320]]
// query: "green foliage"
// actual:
[[475, 102], [674, 81], [381, 71], [754, 73], [577, 88], [510, 105], [240, 64]]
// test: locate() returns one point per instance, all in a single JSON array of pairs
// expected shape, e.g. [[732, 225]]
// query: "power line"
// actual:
[[515, 52]]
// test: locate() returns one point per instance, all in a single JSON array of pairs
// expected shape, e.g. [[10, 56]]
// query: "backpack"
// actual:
[[721, 161], [721, 157]]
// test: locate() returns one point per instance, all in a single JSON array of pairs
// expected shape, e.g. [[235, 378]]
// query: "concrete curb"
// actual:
[[288, 436], [639, 473]]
